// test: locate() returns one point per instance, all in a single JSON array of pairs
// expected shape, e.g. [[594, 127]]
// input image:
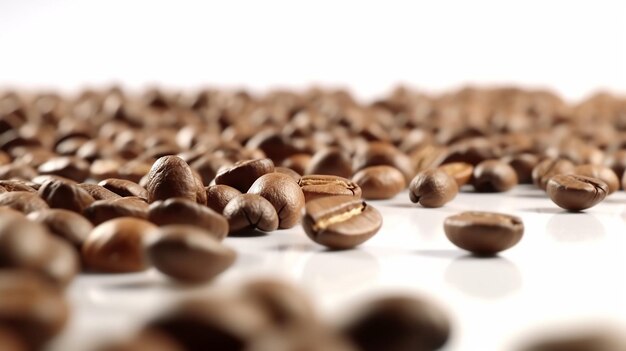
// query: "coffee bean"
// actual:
[[218, 196], [59, 194], [23, 201], [188, 253], [170, 177], [16, 185], [340, 222], [248, 212], [523, 164], [379, 182], [61, 263], [23, 244], [493, 176], [123, 187], [298, 163], [11, 341], [600, 172], [182, 211], [208, 165], [98, 192], [617, 162], [330, 161], [104, 210], [317, 186], [398, 323], [484, 233], [584, 340], [548, 168], [382, 153], [104, 168], [117, 245], [73, 168], [65, 224], [17, 171], [309, 338], [288, 172], [284, 194], [134, 170], [432, 188], [242, 174], [576, 193], [460, 171], [31, 308]]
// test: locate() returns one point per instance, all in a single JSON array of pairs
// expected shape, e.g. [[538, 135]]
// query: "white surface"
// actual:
[[568, 268]]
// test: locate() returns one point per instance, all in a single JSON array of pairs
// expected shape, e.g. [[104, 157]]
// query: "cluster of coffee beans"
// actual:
[[113, 182]]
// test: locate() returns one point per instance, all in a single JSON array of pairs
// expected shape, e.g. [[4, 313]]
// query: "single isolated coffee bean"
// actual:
[[284, 194], [379, 182], [123, 187], [603, 173], [330, 161], [23, 201], [315, 186], [218, 196], [523, 164], [340, 222], [460, 171], [575, 192], [398, 323], [65, 224], [484, 233], [183, 211], [248, 212], [98, 192], [117, 246], [104, 210], [59, 194], [169, 177], [548, 168], [432, 188], [493, 176], [188, 253], [242, 174]]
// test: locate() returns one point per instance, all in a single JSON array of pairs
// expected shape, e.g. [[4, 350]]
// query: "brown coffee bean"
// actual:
[[31, 308], [16, 185], [65, 224], [23, 244], [284, 194], [310, 338], [23, 201], [523, 164], [104, 168], [382, 153], [208, 165], [484, 233], [493, 176], [460, 171], [17, 171], [170, 177], [340, 222], [123, 187], [40, 180], [183, 211], [379, 182], [218, 196], [117, 245], [104, 210], [316, 186], [584, 340], [59, 194], [98, 192], [617, 162], [298, 163], [134, 170], [248, 212], [576, 193], [398, 323], [603, 173], [188, 253], [330, 161], [289, 172], [70, 167], [11, 341], [61, 263], [548, 168], [432, 188], [242, 174]]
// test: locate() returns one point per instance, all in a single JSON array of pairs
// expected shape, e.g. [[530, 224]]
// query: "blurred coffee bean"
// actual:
[[123, 187], [289, 172], [68, 225], [381, 153], [103, 210], [11, 341], [16, 185], [379, 182], [104, 168], [61, 263], [242, 174], [59, 194], [98, 192], [23, 201], [460, 171], [493, 176], [548, 168], [593, 339], [146, 340], [330, 161], [182, 211], [23, 244], [298, 163], [603, 173], [523, 164], [73, 168], [19, 171]]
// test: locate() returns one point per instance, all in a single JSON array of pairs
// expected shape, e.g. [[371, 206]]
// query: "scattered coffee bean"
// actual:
[[104, 210], [317, 186], [73, 168], [242, 174], [576, 193], [65, 224], [61, 263], [23, 244], [59, 194], [548, 168], [170, 177], [460, 171], [218, 196], [330, 161], [16, 185], [584, 340], [432, 188], [182, 211], [284, 194], [98, 192], [493, 176], [297, 162], [603, 173], [11, 341], [123, 187], [523, 164], [23, 201], [288, 172], [484, 233], [379, 182], [248, 212]]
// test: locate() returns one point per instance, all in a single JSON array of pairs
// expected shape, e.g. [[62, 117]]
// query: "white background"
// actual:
[[575, 47]]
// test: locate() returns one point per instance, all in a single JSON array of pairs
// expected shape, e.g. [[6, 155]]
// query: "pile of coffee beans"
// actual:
[[112, 182]]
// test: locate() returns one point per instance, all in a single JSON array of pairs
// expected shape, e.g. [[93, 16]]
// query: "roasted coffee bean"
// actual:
[[576, 193], [617, 162], [523, 164], [65, 224], [584, 340], [218, 196], [31, 308], [123, 187], [382, 153], [70, 167], [603, 173], [188, 253], [248, 212], [208, 165], [460, 171], [104, 168], [98, 192], [59, 194], [309, 338], [548, 168], [330, 161], [11, 341], [242, 174], [316, 186], [170, 177], [432, 188], [398, 323], [104, 210], [284, 194], [183, 211], [16, 185], [289, 172], [134, 170], [379, 182], [117, 245], [23, 201], [340, 222], [40, 180], [17, 171], [23, 243], [484, 233], [61, 263], [493, 176], [298, 163]]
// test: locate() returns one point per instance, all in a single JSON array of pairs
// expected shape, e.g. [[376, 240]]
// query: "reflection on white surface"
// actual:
[[487, 278], [575, 227]]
